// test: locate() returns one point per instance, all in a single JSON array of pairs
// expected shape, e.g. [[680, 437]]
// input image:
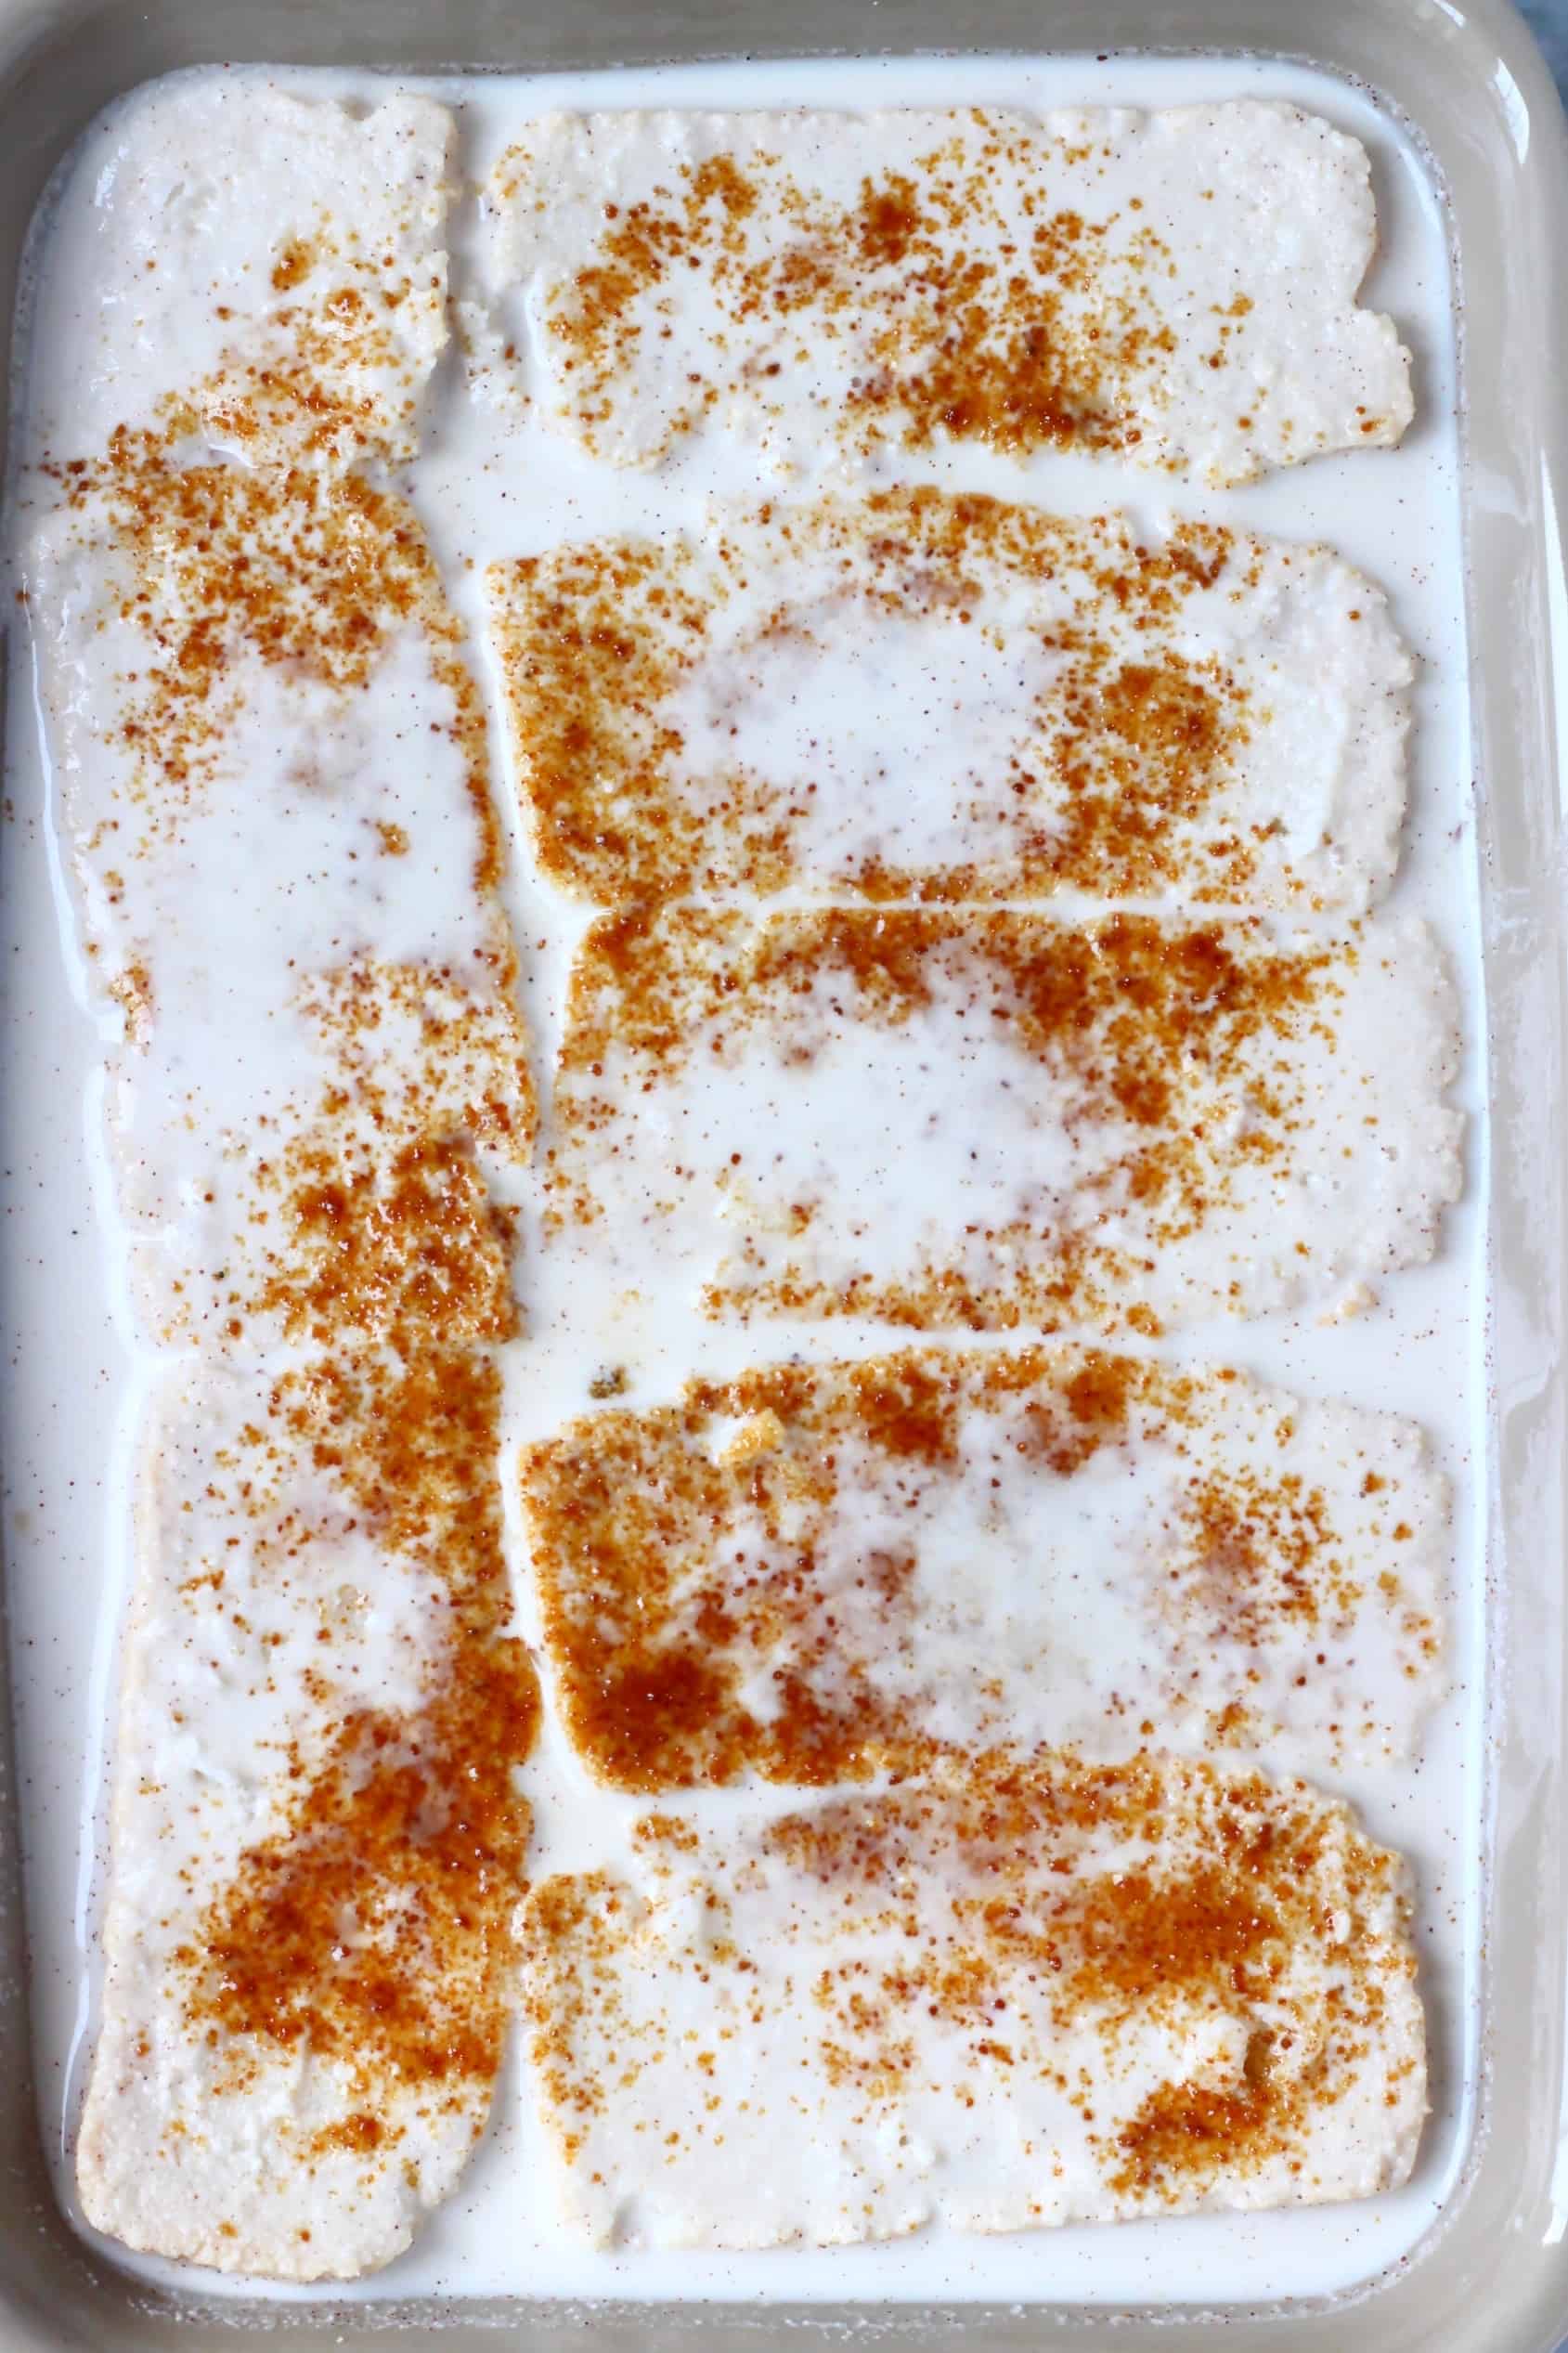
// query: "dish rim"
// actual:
[[1492, 2275]]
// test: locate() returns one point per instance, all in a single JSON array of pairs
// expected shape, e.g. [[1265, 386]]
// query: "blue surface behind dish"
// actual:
[[1547, 21]]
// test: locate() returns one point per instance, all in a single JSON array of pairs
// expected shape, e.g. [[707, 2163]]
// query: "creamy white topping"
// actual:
[[952, 697], [1178, 287], [1022, 1996], [323, 1072]]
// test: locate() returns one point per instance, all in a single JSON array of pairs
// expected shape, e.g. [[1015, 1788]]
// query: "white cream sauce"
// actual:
[[489, 490]]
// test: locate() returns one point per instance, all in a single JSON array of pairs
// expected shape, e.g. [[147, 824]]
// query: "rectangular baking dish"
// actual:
[[1493, 2273]]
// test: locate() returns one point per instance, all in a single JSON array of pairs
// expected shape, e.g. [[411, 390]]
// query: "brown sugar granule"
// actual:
[[1263, 1553], [323, 380], [296, 258], [373, 1930], [1188, 2132], [1048, 375], [366, 1249]]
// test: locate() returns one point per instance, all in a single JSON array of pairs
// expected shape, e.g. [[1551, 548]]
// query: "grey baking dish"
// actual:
[[1493, 2276]]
